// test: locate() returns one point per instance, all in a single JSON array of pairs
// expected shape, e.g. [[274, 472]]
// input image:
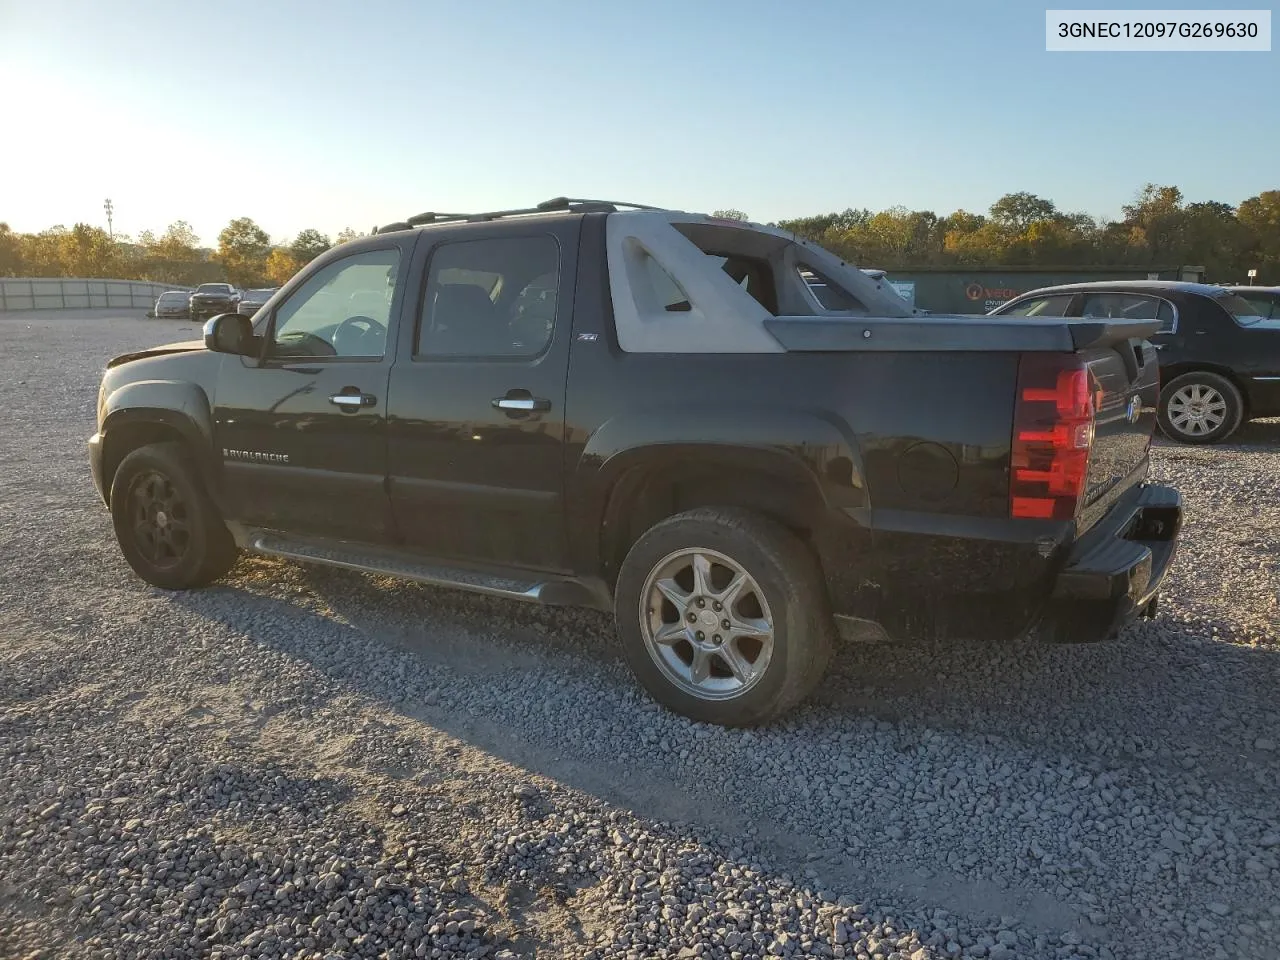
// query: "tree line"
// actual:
[[1158, 229], [245, 254]]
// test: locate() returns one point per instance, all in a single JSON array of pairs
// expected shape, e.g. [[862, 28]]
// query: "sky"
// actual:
[[337, 113]]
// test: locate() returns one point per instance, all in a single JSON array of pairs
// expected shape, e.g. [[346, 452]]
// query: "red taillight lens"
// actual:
[[1052, 436]]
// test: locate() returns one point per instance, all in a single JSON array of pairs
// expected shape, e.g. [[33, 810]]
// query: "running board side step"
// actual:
[[515, 585]]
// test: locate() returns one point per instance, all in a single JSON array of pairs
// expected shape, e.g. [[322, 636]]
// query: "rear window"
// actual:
[[1242, 311], [213, 288]]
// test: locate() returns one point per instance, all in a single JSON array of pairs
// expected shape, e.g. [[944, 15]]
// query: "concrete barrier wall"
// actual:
[[66, 293]]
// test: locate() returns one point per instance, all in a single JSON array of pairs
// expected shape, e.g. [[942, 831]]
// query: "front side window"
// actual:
[[1264, 307], [490, 298], [1244, 312], [1054, 306], [343, 310]]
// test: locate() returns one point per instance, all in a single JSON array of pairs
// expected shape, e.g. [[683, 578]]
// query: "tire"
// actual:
[[1200, 407], [167, 526], [784, 588]]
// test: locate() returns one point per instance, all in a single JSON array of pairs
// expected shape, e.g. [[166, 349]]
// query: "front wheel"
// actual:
[[167, 526], [723, 616], [1200, 407]]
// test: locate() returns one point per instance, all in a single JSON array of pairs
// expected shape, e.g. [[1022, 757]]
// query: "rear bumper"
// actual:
[[1114, 572]]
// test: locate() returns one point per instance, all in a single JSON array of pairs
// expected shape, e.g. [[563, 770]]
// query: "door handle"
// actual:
[[353, 401], [525, 404]]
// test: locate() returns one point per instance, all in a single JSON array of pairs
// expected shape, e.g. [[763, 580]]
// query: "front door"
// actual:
[[476, 433], [303, 430]]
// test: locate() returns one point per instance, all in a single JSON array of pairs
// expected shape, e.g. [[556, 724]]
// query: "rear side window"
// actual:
[[1120, 306], [490, 298], [828, 293], [1054, 306]]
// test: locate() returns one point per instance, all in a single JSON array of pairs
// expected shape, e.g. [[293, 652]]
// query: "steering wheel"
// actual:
[[363, 332]]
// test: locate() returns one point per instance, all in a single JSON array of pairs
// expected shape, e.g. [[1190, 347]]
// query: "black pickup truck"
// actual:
[[211, 299], [651, 412]]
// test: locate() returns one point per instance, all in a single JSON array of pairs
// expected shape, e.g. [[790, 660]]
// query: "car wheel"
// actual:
[[168, 528], [1200, 407], [723, 616]]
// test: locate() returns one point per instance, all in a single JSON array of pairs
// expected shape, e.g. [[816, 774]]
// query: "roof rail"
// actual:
[[567, 204]]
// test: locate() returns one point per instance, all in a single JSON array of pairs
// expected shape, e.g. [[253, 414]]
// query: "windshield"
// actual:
[[1242, 311]]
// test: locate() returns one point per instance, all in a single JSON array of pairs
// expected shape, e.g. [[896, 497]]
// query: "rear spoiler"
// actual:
[[952, 333]]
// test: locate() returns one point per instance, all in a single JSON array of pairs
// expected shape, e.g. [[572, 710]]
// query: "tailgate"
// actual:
[[1125, 380]]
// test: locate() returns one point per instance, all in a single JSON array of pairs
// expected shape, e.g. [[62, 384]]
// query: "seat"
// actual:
[[463, 321]]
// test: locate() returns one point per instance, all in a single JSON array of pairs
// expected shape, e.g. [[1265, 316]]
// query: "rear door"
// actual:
[[303, 430], [477, 400]]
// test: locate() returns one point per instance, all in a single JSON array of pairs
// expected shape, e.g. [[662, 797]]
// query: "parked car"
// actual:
[[172, 303], [1219, 355], [253, 300], [651, 412], [211, 299]]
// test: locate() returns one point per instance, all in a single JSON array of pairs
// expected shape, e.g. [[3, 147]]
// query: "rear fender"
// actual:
[[815, 461]]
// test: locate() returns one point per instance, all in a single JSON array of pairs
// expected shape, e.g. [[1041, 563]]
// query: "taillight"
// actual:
[[1052, 436]]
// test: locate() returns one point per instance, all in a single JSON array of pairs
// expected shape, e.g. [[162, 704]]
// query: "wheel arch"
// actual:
[[661, 483], [158, 411]]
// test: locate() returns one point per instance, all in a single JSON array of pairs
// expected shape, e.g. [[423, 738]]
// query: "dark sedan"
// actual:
[[1219, 348], [251, 301], [211, 299]]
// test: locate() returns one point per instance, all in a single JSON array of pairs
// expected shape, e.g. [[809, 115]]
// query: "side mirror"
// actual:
[[229, 333]]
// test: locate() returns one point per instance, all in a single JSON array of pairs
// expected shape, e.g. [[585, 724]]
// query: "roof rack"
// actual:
[[567, 204]]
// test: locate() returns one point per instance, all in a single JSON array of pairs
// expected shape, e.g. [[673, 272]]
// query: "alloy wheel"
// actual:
[[159, 520], [1197, 409], [706, 624]]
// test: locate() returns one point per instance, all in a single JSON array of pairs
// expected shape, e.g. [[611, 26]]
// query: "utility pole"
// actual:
[[109, 208]]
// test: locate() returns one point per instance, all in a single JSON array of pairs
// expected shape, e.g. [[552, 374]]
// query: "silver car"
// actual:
[[172, 303]]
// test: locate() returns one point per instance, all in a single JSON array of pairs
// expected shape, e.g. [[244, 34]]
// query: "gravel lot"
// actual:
[[314, 763]]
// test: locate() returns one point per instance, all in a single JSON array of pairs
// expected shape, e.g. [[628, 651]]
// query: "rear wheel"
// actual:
[[723, 616], [1200, 407], [167, 526]]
